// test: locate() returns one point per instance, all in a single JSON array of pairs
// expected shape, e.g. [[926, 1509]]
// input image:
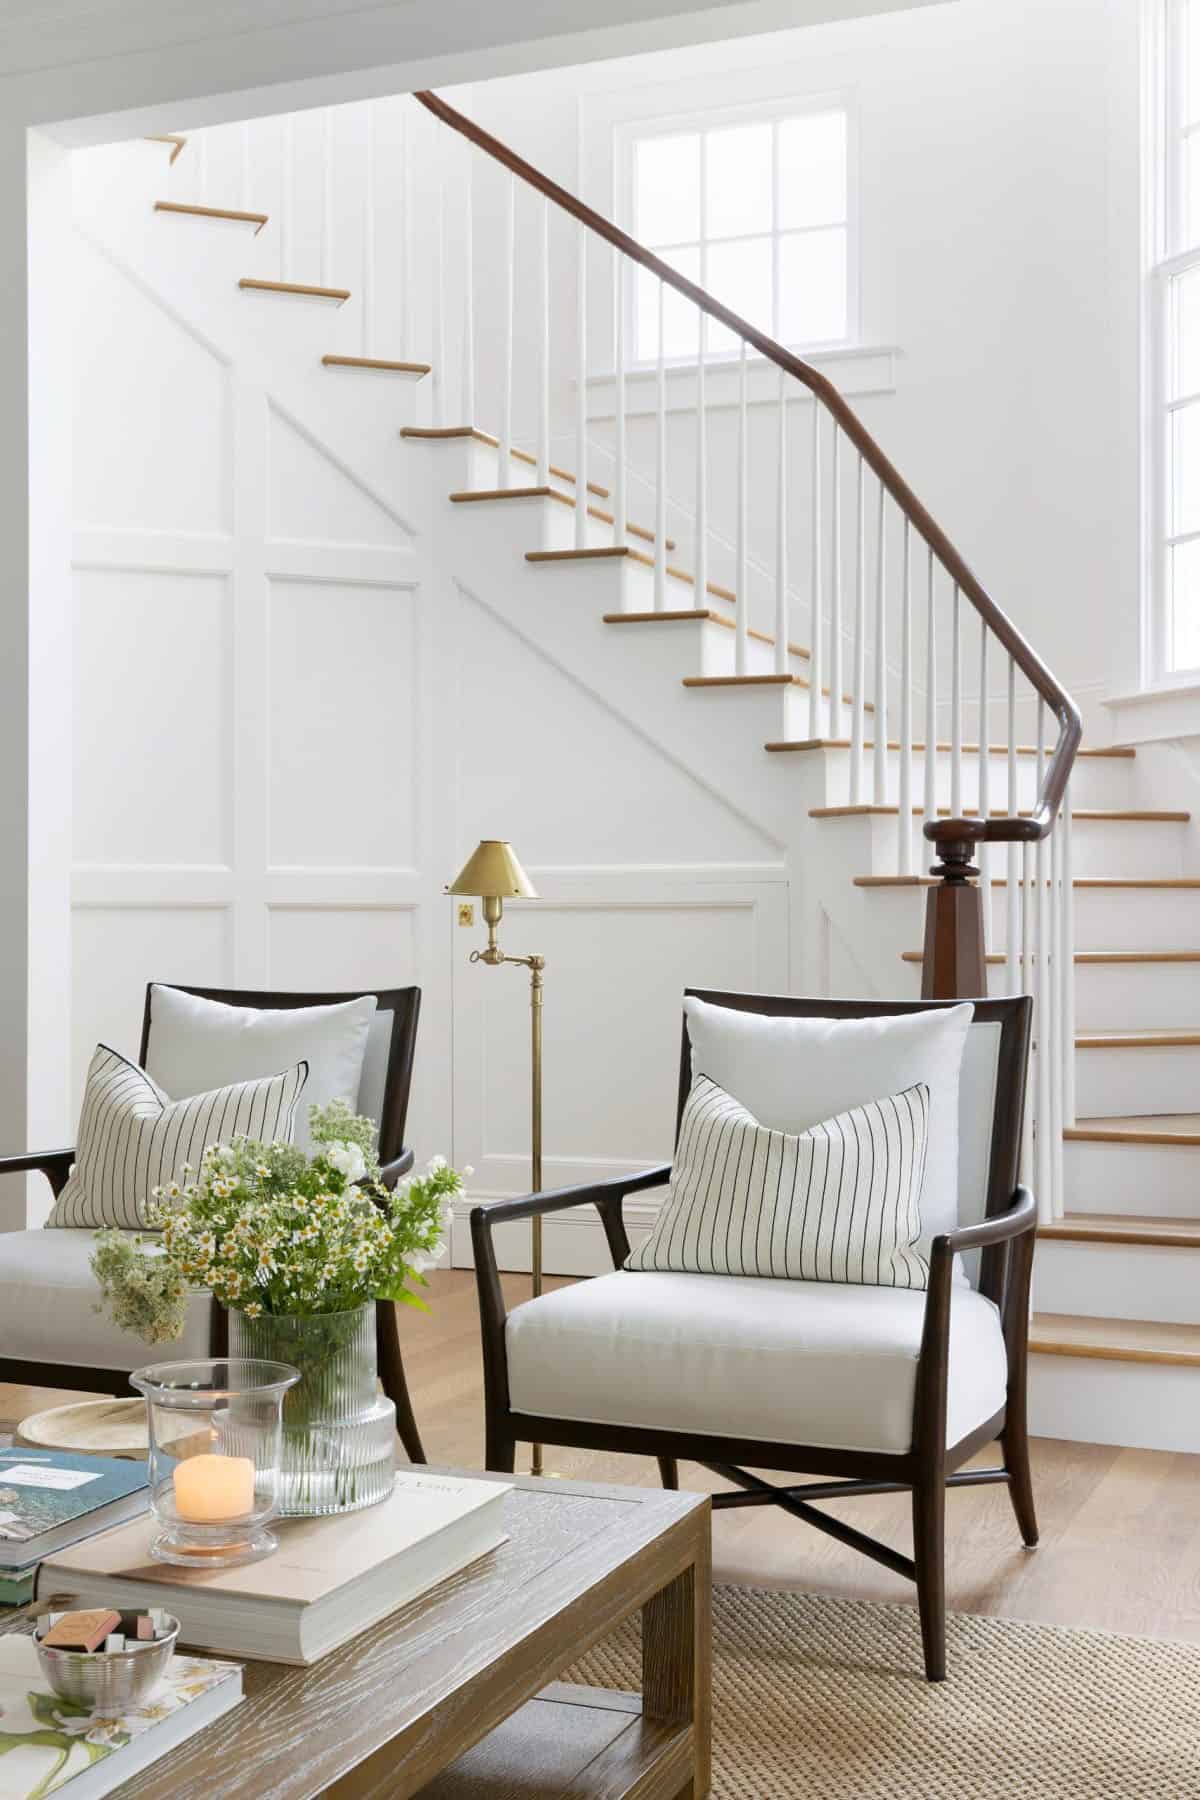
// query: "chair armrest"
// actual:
[[55, 1165], [1020, 1217], [605, 1196], [390, 1173]]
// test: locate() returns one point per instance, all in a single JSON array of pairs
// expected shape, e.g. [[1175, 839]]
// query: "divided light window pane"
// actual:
[[812, 170], [1190, 176], [1185, 470], [667, 189], [680, 317], [1189, 74], [739, 181], [1184, 617], [812, 286], [1185, 335], [739, 274]]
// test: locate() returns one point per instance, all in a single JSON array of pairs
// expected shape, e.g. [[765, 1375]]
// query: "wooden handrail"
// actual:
[[955, 837]]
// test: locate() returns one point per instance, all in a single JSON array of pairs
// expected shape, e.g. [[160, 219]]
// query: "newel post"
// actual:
[[954, 967]]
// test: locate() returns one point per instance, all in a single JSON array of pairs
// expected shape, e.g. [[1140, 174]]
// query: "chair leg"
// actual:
[[668, 1468], [500, 1448], [1014, 1442], [929, 1550], [395, 1385]]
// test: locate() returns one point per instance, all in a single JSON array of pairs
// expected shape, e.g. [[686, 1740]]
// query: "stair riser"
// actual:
[[1099, 847], [1149, 1406], [1096, 781], [1118, 1281], [1137, 1082], [1123, 918], [1143, 1179], [1136, 996]]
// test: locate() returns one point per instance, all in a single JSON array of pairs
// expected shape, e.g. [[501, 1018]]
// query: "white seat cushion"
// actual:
[[785, 1362], [47, 1292]]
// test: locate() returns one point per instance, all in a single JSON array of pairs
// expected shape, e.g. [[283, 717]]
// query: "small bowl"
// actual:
[[114, 1683]]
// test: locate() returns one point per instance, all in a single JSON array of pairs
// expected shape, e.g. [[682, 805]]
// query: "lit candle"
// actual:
[[211, 1489]]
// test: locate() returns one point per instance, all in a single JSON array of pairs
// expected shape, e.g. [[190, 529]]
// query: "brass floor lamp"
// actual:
[[493, 875]]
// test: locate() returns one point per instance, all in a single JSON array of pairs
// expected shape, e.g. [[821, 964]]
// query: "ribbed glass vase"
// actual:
[[339, 1432]]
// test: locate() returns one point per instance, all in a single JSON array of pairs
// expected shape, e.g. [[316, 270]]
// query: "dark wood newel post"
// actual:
[[954, 967]]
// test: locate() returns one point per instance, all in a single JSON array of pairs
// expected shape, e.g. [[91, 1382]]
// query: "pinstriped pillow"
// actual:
[[839, 1202], [132, 1138]]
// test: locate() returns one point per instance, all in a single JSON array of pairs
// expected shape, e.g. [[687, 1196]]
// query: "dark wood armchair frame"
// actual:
[[1005, 1241], [404, 1004]]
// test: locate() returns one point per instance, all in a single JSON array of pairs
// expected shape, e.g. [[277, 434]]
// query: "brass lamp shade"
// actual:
[[492, 872]]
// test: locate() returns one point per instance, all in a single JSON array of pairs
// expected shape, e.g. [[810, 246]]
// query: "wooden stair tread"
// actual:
[[1136, 1040], [1080, 881], [549, 493], [968, 749], [676, 616], [1142, 1130], [639, 556], [294, 287], [377, 362], [173, 138], [442, 433], [1107, 957], [1116, 815], [257, 219], [1116, 1340], [1123, 1228]]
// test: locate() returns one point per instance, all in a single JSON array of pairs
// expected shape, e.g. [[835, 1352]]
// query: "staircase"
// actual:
[[853, 747]]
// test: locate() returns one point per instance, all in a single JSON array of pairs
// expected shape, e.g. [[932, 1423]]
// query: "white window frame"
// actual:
[[1163, 260], [628, 134]]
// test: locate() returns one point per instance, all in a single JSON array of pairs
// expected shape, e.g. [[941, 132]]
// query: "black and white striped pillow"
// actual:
[[132, 1138], [839, 1202]]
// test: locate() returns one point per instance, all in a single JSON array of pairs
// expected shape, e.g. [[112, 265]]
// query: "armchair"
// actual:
[[878, 1390], [47, 1291]]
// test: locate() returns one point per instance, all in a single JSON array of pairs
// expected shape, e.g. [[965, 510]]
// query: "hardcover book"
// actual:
[[48, 1744], [50, 1498], [330, 1578]]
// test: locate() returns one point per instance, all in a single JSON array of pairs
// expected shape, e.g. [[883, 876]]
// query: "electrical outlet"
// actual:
[[466, 913]]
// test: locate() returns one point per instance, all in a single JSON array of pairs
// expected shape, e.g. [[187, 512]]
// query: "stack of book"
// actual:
[[50, 1499]]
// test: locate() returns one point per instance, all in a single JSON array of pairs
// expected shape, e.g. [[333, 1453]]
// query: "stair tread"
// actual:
[[1143, 1128], [257, 219], [377, 362], [1123, 1228], [1135, 1040], [548, 493], [1119, 1340], [679, 616], [442, 433], [1121, 751], [1080, 881], [1111, 814], [294, 287]]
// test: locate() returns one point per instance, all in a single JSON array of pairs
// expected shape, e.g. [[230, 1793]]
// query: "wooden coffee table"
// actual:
[[455, 1697]]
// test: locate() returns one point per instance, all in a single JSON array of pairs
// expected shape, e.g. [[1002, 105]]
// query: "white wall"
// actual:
[[999, 190]]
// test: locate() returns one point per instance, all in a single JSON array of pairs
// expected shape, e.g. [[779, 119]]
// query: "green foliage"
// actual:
[[269, 1231]]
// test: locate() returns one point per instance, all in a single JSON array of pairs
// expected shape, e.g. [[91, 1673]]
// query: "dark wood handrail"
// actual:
[[961, 832]]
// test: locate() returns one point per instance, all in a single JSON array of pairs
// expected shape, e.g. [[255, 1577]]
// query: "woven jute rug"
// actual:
[[823, 1698]]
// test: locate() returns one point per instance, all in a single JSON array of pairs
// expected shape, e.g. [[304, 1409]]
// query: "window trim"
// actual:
[[630, 132]]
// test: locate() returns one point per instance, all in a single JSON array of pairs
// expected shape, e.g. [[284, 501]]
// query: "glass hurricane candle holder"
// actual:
[[215, 1433]]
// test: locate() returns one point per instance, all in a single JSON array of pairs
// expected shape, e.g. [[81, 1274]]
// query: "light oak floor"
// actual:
[[1120, 1547]]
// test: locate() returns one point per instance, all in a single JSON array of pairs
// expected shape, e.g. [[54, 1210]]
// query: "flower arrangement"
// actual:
[[270, 1231]]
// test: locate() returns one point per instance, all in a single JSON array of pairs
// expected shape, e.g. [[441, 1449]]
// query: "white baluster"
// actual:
[[660, 462], [619, 499], [1068, 966], [879, 726], [1028, 986], [701, 472], [984, 858], [543, 398], [1042, 998], [244, 182], [1054, 1021], [287, 197], [858, 698], [905, 865], [438, 354], [581, 483], [467, 410], [956, 737], [815, 661], [1012, 892], [201, 166], [408, 340], [930, 806], [782, 658], [508, 255], [368, 232], [835, 585], [741, 595], [326, 196]]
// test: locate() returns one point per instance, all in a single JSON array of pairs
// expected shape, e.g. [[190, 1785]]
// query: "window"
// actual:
[[1175, 334], [756, 209]]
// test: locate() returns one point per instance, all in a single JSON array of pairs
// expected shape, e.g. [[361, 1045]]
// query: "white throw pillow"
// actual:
[[793, 1073], [132, 1138], [196, 1045], [840, 1202]]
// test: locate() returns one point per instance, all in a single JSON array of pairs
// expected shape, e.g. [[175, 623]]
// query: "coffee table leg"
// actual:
[[677, 1659]]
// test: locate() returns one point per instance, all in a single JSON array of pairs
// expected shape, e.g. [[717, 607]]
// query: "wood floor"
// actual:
[[1120, 1547]]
